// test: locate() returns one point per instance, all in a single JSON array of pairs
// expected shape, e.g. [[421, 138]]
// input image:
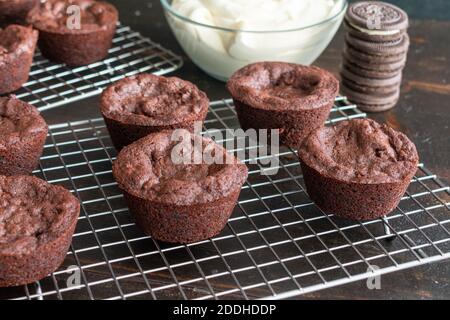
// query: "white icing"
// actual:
[[220, 52]]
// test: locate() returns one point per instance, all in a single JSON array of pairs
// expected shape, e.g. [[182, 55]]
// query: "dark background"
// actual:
[[423, 113], [424, 9]]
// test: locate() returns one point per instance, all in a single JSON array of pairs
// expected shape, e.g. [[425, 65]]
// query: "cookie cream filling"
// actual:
[[374, 32], [282, 30]]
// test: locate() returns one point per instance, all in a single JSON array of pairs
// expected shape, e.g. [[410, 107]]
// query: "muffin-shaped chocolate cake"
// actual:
[[22, 136], [17, 45], [37, 221], [65, 38], [293, 98], [174, 197], [137, 106], [358, 169], [15, 11]]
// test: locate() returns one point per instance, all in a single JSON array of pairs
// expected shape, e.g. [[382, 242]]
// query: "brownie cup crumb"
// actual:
[[22, 136], [62, 40], [275, 95], [15, 11], [17, 46], [37, 221], [358, 169], [175, 201], [137, 106]]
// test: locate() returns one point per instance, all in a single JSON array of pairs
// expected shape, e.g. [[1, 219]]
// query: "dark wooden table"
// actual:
[[423, 113]]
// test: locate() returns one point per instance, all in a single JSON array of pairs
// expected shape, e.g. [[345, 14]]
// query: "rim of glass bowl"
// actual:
[[168, 7]]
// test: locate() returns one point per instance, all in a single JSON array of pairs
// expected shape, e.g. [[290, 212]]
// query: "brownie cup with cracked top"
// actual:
[[17, 46], [76, 42], [179, 201], [358, 169], [137, 106], [37, 221], [22, 136], [293, 98], [15, 11]]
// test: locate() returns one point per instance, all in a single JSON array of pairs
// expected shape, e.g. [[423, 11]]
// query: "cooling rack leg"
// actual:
[[38, 288], [413, 244], [406, 238], [387, 230]]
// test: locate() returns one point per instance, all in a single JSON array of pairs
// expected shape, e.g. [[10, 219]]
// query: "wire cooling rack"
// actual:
[[51, 85], [277, 244]]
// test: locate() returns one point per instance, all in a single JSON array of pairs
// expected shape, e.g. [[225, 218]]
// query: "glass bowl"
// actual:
[[221, 51]]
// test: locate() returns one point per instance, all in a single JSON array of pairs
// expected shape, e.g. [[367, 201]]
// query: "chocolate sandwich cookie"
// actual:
[[376, 48], [399, 46], [376, 74], [376, 107], [376, 19], [372, 102], [375, 37], [373, 82], [380, 66], [372, 58], [380, 90]]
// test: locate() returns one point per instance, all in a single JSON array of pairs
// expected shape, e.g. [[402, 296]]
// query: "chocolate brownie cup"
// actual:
[[179, 201], [15, 11], [63, 40], [37, 221], [17, 46], [293, 98], [358, 169], [22, 136], [137, 106]]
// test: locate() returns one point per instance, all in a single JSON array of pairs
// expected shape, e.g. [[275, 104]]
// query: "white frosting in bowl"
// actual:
[[229, 34]]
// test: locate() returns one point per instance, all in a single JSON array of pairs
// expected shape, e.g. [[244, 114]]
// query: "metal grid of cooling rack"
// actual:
[[277, 244], [51, 85]]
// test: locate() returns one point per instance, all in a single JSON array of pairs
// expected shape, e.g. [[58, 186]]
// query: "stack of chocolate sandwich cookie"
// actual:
[[375, 54]]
